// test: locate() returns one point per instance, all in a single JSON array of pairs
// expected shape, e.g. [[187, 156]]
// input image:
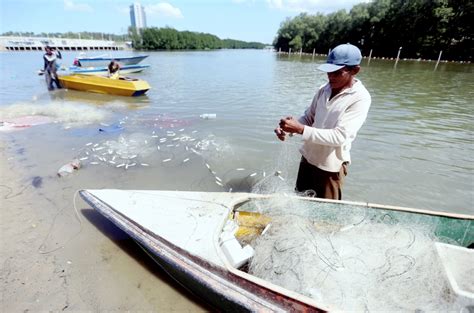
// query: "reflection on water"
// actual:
[[98, 99], [414, 150]]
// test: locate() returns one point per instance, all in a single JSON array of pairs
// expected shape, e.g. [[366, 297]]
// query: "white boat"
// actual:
[[190, 235], [105, 60], [103, 71]]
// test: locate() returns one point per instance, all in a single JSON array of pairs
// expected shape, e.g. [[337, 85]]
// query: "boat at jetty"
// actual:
[[104, 71], [105, 60], [124, 86], [231, 249]]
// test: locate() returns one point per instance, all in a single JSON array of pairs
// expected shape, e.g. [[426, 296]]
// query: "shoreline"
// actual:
[[56, 260]]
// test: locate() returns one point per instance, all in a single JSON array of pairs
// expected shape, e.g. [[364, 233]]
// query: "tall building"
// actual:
[[137, 16]]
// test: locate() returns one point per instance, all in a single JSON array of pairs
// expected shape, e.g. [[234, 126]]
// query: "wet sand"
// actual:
[[57, 256]]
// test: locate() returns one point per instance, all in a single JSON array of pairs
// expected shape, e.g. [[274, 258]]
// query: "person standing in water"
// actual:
[[329, 125], [50, 67]]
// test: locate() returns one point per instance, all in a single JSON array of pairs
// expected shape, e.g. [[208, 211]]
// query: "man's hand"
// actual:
[[290, 125], [280, 133]]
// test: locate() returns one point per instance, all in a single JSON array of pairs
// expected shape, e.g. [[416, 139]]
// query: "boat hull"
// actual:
[[104, 85], [104, 61], [103, 71], [181, 231]]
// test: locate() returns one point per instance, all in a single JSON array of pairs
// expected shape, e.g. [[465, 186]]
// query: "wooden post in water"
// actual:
[[398, 57], [301, 51], [314, 50], [370, 56], [329, 51], [289, 51], [279, 50], [439, 58]]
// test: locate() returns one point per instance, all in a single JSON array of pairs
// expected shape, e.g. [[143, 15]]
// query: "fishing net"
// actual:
[[353, 258]]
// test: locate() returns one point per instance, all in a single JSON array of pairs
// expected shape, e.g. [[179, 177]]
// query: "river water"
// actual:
[[415, 149]]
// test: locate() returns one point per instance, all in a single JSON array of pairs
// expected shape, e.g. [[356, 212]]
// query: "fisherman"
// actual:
[[114, 68], [50, 67], [329, 125]]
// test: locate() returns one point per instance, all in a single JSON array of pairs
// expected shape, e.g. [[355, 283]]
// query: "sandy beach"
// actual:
[[68, 257]]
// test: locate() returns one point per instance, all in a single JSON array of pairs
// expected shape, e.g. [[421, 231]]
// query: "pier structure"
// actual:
[[64, 44]]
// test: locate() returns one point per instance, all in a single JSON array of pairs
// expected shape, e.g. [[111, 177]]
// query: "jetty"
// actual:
[[10, 43]]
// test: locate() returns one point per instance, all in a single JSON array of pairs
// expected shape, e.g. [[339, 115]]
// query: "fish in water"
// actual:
[[37, 182]]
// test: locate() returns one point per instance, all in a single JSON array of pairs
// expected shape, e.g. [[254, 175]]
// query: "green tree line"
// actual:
[[422, 28], [171, 39]]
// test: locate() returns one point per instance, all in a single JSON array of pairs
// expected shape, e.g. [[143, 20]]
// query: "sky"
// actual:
[[247, 20]]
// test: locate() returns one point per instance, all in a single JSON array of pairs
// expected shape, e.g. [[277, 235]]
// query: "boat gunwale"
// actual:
[[374, 206], [92, 59], [104, 69]]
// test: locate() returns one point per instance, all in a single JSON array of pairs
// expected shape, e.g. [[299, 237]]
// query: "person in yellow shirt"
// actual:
[[114, 68]]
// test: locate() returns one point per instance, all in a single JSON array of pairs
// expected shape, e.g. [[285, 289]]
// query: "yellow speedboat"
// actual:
[[123, 86]]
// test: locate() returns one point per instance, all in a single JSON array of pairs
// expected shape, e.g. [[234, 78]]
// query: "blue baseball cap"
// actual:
[[341, 56]]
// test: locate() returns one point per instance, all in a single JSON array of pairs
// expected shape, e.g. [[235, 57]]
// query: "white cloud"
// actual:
[[313, 6], [163, 9], [71, 6]]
